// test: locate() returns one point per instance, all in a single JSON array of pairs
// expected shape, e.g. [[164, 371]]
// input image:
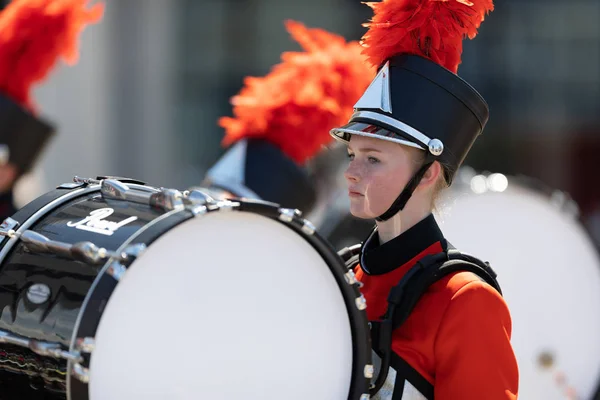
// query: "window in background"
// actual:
[[216, 47]]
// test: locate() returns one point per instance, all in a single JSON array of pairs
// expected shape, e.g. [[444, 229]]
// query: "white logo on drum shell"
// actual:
[[95, 222]]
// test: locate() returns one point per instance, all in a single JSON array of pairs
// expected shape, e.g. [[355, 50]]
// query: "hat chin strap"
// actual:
[[400, 202]]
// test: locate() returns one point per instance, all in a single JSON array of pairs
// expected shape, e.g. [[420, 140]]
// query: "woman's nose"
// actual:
[[351, 174]]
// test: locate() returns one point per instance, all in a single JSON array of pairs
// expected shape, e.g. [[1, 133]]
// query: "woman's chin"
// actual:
[[359, 212]]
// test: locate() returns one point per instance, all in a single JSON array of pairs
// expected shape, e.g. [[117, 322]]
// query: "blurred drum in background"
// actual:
[[549, 271]]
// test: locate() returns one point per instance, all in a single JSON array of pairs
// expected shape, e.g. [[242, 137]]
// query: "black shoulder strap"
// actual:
[[403, 297]]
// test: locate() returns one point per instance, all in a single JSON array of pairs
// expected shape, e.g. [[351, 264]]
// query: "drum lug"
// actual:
[[308, 227], [86, 252], [134, 250], [118, 267], [289, 215], [90, 253], [200, 203], [85, 345], [223, 205], [286, 214], [361, 302], [81, 373], [197, 201], [351, 279], [165, 199], [364, 397], [8, 228], [369, 371], [53, 350], [198, 210], [46, 349], [116, 270], [196, 197]]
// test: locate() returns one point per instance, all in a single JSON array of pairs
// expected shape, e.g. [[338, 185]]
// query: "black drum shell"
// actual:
[[69, 281]]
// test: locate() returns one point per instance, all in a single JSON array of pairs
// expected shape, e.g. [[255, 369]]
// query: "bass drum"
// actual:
[[549, 271], [113, 290]]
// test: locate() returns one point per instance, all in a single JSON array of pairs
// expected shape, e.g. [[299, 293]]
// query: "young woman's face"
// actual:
[[377, 173]]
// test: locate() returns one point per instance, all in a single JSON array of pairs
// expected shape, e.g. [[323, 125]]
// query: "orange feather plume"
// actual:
[[34, 34], [303, 97], [433, 29]]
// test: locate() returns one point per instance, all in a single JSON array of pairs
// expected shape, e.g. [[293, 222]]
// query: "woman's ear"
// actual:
[[431, 175]]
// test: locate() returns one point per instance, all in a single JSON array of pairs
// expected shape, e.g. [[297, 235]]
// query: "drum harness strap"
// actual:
[[404, 296]]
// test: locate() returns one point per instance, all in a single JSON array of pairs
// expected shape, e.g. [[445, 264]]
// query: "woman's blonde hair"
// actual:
[[441, 184]]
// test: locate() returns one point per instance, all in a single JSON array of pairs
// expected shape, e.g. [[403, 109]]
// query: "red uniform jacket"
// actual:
[[456, 343]]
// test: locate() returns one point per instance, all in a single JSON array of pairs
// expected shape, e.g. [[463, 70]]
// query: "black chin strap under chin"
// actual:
[[403, 198]]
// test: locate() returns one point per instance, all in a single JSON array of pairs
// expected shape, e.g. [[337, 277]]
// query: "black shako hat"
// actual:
[[415, 102], [416, 98], [22, 135]]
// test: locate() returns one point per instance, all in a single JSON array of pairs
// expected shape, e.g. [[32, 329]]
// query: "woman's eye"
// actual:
[[373, 160], [351, 156]]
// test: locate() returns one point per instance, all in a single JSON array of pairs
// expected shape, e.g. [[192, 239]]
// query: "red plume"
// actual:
[[34, 34], [433, 29], [303, 97]]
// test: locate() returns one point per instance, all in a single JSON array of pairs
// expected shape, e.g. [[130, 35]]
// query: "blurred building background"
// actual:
[[155, 76]]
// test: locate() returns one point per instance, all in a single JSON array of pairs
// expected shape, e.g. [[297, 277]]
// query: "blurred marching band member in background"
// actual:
[[34, 34], [281, 121]]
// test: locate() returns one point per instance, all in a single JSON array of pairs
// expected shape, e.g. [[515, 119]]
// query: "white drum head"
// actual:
[[225, 306], [550, 275]]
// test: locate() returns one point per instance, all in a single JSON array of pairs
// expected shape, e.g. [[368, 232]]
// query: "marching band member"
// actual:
[[282, 120], [410, 131], [34, 34]]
